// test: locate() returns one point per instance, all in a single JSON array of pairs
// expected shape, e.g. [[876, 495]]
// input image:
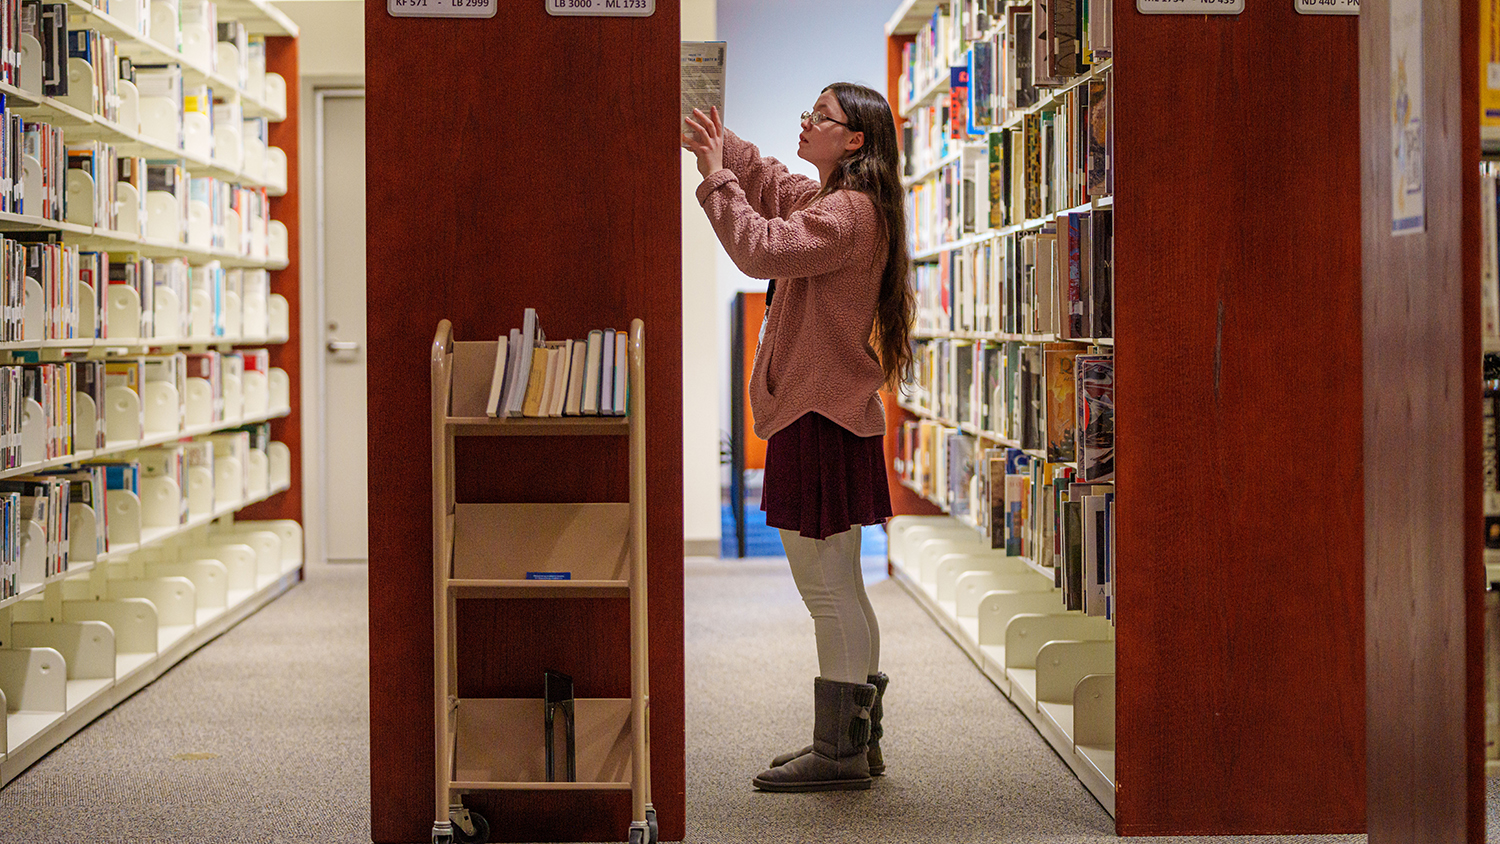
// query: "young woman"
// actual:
[[836, 329]]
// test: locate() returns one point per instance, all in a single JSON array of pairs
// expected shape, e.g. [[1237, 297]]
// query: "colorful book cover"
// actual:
[[1065, 37], [1073, 325], [1096, 417], [1098, 147], [1061, 408], [981, 87], [1042, 64], [1489, 63], [958, 102], [1032, 128], [997, 180], [1013, 494], [1022, 47]]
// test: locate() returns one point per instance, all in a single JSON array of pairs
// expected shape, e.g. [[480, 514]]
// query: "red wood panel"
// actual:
[[1423, 551], [893, 66], [281, 57], [523, 160], [904, 502], [1240, 584]]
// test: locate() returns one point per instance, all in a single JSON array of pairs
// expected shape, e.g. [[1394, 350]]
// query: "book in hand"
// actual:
[[702, 82]]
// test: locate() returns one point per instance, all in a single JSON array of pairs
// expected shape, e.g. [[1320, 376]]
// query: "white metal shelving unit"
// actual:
[[76, 643], [1056, 665]]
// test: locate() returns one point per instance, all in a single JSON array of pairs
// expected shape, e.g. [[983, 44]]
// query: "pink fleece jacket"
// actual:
[[827, 257]]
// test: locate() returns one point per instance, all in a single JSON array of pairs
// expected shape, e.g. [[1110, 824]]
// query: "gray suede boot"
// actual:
[[877, 761], [841, 735]]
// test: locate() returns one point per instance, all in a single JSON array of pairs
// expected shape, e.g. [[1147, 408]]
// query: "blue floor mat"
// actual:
[[763, 541]]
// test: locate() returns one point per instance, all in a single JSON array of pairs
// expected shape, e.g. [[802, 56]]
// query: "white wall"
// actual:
[[781, 55], [330, 52], [701, 341], [331, 43]]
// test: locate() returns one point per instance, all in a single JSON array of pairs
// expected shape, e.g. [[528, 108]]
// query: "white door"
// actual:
[[341, 249]]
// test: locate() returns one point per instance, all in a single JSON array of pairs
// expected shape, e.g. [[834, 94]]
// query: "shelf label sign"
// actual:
[[1408, 180], [1190, 7], [440, 8], [602, 8], [1328, 7]]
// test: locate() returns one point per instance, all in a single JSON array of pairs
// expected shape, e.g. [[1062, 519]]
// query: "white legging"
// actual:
[[828, 575]]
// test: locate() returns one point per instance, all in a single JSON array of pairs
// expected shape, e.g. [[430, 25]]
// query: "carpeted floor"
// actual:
[[262, 736]]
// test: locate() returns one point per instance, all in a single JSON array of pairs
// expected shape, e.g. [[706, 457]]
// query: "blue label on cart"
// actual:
[[549, 575]]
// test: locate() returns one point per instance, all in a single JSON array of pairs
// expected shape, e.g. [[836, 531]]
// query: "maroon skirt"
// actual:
[[821, 480]]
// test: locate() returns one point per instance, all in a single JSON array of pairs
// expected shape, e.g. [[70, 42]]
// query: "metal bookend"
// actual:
[[558, 699]]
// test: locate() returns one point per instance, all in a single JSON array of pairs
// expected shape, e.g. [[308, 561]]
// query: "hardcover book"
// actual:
[[958, 102], [1096, 417], [1061, 409], [1102, 278], [1032, 126], [1098, 146]]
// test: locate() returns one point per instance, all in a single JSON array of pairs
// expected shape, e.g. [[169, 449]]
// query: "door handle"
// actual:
[[336, 346]]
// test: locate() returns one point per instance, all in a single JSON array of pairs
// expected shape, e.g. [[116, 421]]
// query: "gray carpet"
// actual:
[[964, 764], [260, 736]]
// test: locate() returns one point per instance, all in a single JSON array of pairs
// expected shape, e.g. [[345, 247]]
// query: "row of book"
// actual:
[[238, 217], [53, 386], [50, 498], [163, 81], [1054, 158], [1056, 279], [1023, 503], [232, 302], [1015, 50], [47, 500], [193, 30], [212, 367], [537, 378], [176, 460], [1053, 398], [55, 269]]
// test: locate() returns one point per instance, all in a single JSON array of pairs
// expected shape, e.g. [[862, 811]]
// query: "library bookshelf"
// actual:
[[191, 374], [1232, 693], [498, 744]]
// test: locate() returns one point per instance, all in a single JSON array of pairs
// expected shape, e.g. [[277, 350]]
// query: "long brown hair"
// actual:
[[875, 170]]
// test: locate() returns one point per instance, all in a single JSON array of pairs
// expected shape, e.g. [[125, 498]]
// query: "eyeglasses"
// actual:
[[813, 118]]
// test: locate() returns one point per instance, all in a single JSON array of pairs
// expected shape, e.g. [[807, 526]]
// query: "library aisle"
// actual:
[[260, 736], [964, 764], [263, 735]]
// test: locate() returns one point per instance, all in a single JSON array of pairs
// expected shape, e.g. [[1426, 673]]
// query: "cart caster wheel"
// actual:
[[651, 824], [638, 835], [442, 833], [481, 833]]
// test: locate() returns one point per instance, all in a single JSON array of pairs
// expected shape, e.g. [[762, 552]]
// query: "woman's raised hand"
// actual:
[[705, 140]]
